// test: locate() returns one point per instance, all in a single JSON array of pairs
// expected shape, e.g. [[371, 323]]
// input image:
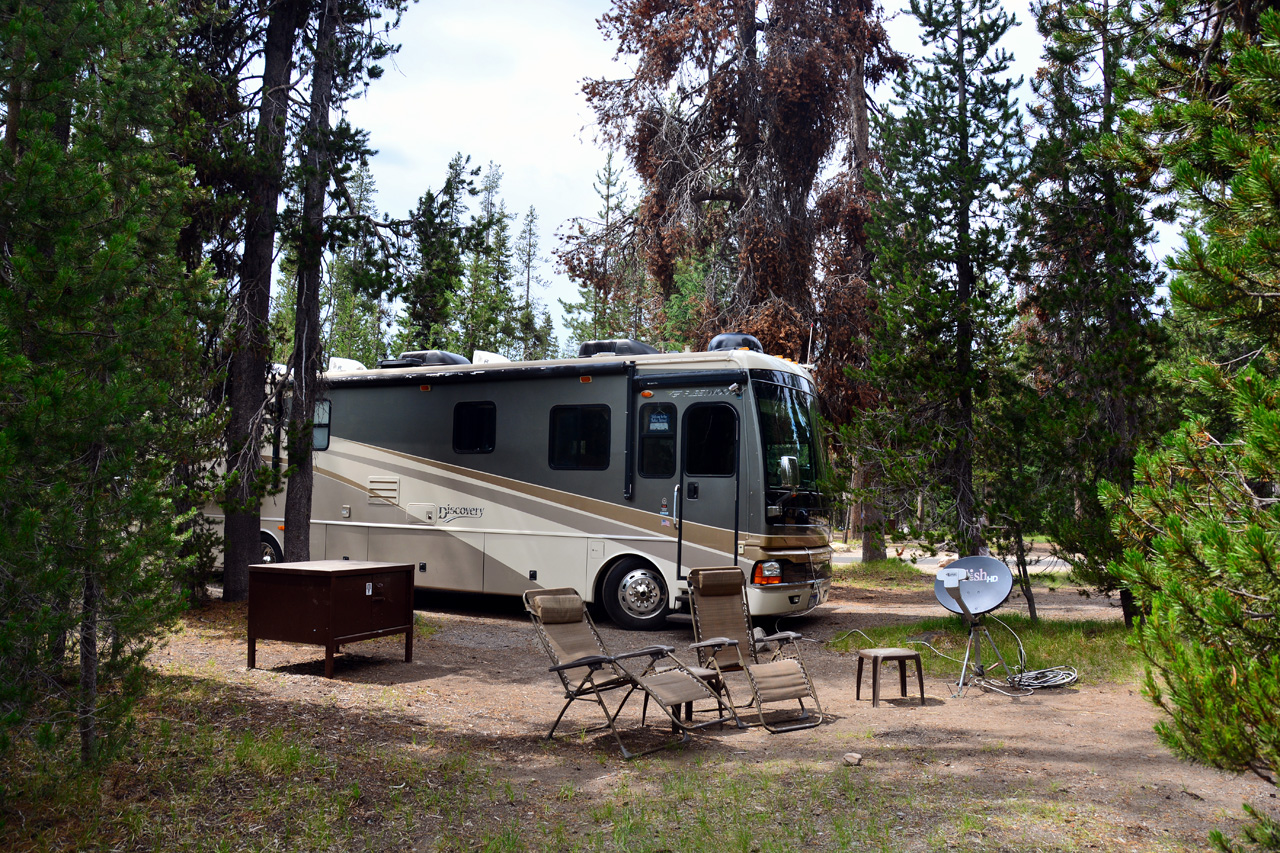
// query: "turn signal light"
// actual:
[[766, 572]]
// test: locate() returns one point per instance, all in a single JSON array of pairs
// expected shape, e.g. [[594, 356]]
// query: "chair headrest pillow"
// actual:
[[717, 581], [557, 609]]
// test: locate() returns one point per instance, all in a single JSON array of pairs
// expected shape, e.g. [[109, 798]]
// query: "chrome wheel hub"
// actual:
[[640, 594]]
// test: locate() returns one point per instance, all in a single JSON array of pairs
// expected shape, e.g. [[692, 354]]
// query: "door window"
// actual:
[[658, 440], [710, 440], [320, 426]]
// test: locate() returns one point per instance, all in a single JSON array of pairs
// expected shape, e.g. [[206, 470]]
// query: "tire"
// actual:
[[271, 552], [635, 596]]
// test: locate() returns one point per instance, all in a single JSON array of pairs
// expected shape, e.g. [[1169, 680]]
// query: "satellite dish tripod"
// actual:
[[977, 630]]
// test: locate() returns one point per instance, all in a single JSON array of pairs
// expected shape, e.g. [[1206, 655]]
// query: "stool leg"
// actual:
[[902, 677], [920, 678], [857, 691], [875, 682]]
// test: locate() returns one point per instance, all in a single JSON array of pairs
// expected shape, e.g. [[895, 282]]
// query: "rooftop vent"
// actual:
[[734, 340], [622, 346], [419, 358]]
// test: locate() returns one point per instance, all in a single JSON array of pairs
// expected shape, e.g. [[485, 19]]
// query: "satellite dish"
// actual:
[[986, 586]]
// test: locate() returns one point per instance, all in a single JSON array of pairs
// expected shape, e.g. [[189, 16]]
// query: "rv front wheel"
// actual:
[[271, 552], [635, 596]]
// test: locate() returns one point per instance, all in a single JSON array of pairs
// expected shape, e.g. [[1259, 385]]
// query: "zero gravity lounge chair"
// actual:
[[588, 670], [725, 642]]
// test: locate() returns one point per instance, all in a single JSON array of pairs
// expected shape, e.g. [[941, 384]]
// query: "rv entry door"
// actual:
[[710, 475], [688, 463]]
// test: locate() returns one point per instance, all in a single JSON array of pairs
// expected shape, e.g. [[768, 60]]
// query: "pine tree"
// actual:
[[1089, 287], [1202, 525], [216, 47], [615, 297], [942, 254], [482, 309], [732, 110], [345, 49], [355, 322], [352, 323], [248, 364], [440, 240], [98, 332], [535, 332]]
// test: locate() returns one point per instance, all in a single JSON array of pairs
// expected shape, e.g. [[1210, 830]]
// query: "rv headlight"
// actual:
[[767, 571]]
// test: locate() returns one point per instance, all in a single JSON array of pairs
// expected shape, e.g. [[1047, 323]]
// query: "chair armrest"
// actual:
[[714, 641], [652, 651], [590, 660], [781, 636]]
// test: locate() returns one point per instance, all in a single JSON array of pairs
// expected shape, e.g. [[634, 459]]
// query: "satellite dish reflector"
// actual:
[[986, 585]]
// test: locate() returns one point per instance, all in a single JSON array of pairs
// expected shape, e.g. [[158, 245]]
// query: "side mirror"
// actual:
[[788, 466]]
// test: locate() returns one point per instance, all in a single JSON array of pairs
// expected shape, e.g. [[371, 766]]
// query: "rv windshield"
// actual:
[[793, 461]]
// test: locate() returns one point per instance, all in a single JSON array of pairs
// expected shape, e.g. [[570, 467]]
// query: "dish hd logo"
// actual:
[[981, 576]]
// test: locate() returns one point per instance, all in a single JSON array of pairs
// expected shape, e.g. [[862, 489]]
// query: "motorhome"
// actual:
[[613, 473]]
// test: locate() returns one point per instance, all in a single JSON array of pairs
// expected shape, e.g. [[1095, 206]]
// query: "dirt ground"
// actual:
[[482, 677]]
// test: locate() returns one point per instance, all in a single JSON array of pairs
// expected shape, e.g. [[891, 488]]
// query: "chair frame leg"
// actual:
[[673, 714], [876, 665]]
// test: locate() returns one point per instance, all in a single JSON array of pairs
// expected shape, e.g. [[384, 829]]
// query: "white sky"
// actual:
[[500, 80]]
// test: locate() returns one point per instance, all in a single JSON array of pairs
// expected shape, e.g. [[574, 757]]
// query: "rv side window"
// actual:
[[320, 426], [710, 440], [475, 427], [657, 440], [579, 437]]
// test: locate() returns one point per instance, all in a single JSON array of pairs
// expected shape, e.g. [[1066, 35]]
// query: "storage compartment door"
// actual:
[[346, 542], [556, 560], [453, 560]]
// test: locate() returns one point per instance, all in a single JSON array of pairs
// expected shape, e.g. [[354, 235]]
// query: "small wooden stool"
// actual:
[[879, 656]]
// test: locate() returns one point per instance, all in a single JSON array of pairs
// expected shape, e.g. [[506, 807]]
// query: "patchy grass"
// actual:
[[1098, 650], [423, 627], [216, 766], [198, 782], [892, 573]]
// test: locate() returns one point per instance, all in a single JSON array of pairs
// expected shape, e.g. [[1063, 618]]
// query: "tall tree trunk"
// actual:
[[749, 142], [88, 704], [1024, 573], [859, 121], [871, 518], [962, 465], [249, 360], [306, 337], [1133, 615]]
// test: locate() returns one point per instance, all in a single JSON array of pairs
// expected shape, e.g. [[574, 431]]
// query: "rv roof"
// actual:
[[598, 364]]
